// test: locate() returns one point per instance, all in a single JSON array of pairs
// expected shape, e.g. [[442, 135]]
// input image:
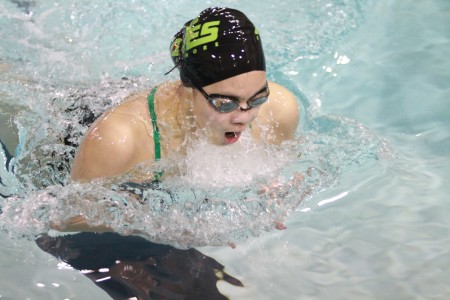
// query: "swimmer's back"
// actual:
[[114, 142], [123, 136]]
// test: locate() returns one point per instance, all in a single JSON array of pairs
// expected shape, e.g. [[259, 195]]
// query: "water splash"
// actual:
[[238, 164], [218, 197]]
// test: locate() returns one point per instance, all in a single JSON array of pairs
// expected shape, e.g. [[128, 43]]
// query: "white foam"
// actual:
[[238, 164]]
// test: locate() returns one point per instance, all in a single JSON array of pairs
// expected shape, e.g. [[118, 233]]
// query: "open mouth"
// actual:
[[231, 136]]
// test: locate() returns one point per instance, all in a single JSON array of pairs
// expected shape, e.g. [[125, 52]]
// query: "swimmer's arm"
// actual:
[[107, 150], [282, 113], [79, 224]]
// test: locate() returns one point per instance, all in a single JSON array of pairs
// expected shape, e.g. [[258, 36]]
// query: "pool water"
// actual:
[[370, 220]]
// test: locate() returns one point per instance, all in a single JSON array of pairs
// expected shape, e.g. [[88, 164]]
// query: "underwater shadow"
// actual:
[[131, 266]]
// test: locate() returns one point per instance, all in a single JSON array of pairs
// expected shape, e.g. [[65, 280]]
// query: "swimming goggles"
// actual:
[[225, 104]]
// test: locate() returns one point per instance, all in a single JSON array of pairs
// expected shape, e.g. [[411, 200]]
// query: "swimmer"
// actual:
[[222, 92]]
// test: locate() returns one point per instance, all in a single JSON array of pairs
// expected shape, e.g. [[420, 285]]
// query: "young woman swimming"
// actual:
[[222, 92]]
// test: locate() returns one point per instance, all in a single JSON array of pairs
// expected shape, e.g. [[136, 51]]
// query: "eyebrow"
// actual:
[[266, 85]]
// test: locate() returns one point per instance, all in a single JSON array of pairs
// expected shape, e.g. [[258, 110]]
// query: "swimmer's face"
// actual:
[[226, 128]]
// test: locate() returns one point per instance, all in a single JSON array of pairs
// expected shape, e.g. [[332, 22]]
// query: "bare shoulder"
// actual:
[[111, 145], [281, 112], [281, 99]]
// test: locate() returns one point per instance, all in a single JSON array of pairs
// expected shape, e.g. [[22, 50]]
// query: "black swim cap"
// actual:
[[220, 43]]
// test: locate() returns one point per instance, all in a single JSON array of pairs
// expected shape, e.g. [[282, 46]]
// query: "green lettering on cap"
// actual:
[[175, 47], [201, 34]]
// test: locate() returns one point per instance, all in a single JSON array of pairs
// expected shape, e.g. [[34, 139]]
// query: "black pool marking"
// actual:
[[131, 266]]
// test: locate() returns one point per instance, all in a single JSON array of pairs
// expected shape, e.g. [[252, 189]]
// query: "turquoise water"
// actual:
[[371, 220]]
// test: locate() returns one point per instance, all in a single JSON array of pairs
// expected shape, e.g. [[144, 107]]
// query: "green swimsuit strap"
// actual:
[[156, 137]]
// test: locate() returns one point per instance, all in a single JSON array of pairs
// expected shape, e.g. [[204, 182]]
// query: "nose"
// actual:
[[242, 116]]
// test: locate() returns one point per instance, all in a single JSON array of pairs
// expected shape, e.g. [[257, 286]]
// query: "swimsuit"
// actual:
[[156, 136]]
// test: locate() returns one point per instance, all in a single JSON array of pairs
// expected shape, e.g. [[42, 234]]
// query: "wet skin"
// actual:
[[123, 136]]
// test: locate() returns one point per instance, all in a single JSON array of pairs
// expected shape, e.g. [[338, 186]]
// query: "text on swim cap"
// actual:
[[201, 34], [175, 47]]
